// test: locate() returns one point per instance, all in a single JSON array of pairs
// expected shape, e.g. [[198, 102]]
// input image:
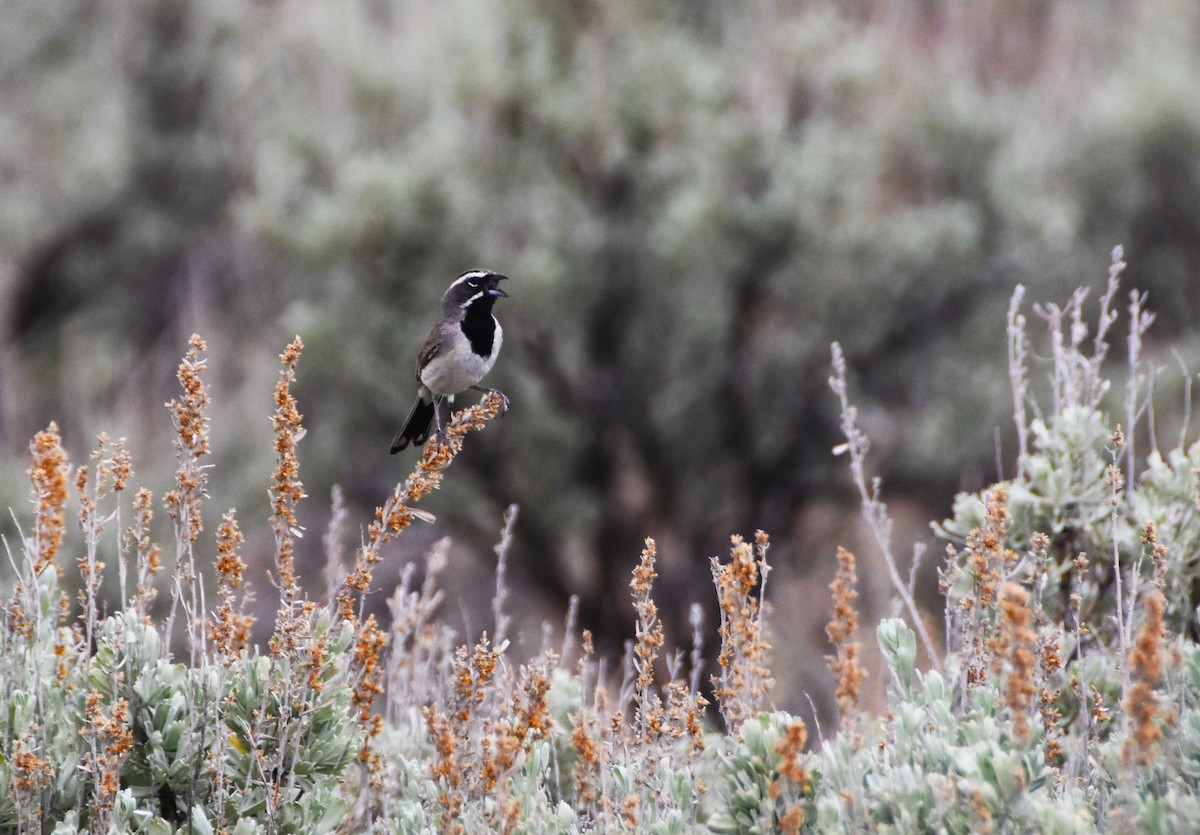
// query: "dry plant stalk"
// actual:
[[395, 514], [791, 749], [185, 502], [111, 473], [110, 739], [49, 476], [286, 492], [148, 555], [230, 630], [989, 561], [335, 568], [1020, 639], [841, 631], [874, 510], [1050, 662], [744, 678], [647, 643], [415, 645], [390, 519], [1158, 554], [286, 488], [1146, 664]]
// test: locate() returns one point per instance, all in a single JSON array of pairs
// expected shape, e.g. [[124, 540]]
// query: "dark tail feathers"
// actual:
[[416, 428]]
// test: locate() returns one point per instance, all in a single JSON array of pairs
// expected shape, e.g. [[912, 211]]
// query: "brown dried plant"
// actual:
[[49, 476], [1020, 640], [148, 556], [230, 629], [191, 442], [390, 519], [744, 678], [1146, 665], [396, 514], [988, 561], [647, 643], [31, 774], [110, 470], [286, 489], [793, 781], [184, 503], [110, 738], [841, 631]]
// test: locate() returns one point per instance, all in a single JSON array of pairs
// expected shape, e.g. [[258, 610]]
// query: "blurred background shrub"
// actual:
[[693, 200]]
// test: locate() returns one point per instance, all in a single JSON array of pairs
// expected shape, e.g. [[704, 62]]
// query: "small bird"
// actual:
[[460, 350]]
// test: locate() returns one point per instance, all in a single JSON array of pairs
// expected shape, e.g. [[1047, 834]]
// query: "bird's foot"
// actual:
[[503, 398]]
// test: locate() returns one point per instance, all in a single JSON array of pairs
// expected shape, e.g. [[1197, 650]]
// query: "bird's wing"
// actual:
[[429, 350]]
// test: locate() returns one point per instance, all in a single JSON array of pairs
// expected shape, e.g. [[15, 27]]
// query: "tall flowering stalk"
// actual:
[[230, 628], [841, 631], [744, 678], [184, 503], [392, 517], [1020, 641], [396, 514], [648, 642], [286, 492], [1146, 666], [148, 555], [49, 476]]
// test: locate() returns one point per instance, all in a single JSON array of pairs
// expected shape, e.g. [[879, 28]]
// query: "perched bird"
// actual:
[[460, 350]]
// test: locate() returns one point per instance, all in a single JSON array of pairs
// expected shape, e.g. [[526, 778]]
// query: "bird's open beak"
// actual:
[[493, 290]]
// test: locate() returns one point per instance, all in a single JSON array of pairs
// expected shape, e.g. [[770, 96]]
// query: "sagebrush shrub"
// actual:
[[1059, 697]]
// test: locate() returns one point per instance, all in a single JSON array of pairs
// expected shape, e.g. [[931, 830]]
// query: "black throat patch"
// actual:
[[479, 327]]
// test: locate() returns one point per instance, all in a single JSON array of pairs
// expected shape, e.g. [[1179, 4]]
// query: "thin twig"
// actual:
[[874, 511]]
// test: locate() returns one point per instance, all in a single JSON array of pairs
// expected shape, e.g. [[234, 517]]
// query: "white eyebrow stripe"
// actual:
[[467, 276]]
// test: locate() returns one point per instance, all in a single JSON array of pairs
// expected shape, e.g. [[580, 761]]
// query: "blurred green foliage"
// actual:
[[693, 201]]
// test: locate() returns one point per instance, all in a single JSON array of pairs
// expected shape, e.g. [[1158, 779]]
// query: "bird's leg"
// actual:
[[437, 420], [501, 395]]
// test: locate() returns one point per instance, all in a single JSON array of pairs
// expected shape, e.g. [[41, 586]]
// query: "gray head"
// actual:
[[470, 287]]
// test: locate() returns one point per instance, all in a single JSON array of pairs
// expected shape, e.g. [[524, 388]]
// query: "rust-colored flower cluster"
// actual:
[[648, 642], [396, 514], [190, 418], [479, 735], [31, 774], [390, 519], [1145, 665], [230, 629], [30, 771], [110, 738], [49, 476], [790, 750], [368, 646], [988, 560], [587, 765], [1158, 553], [286, 487], [1021, 642], [444, 767], [744, 678], [841, 631]]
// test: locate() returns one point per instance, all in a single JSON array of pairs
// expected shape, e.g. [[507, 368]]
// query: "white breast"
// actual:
[[456, 367]]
